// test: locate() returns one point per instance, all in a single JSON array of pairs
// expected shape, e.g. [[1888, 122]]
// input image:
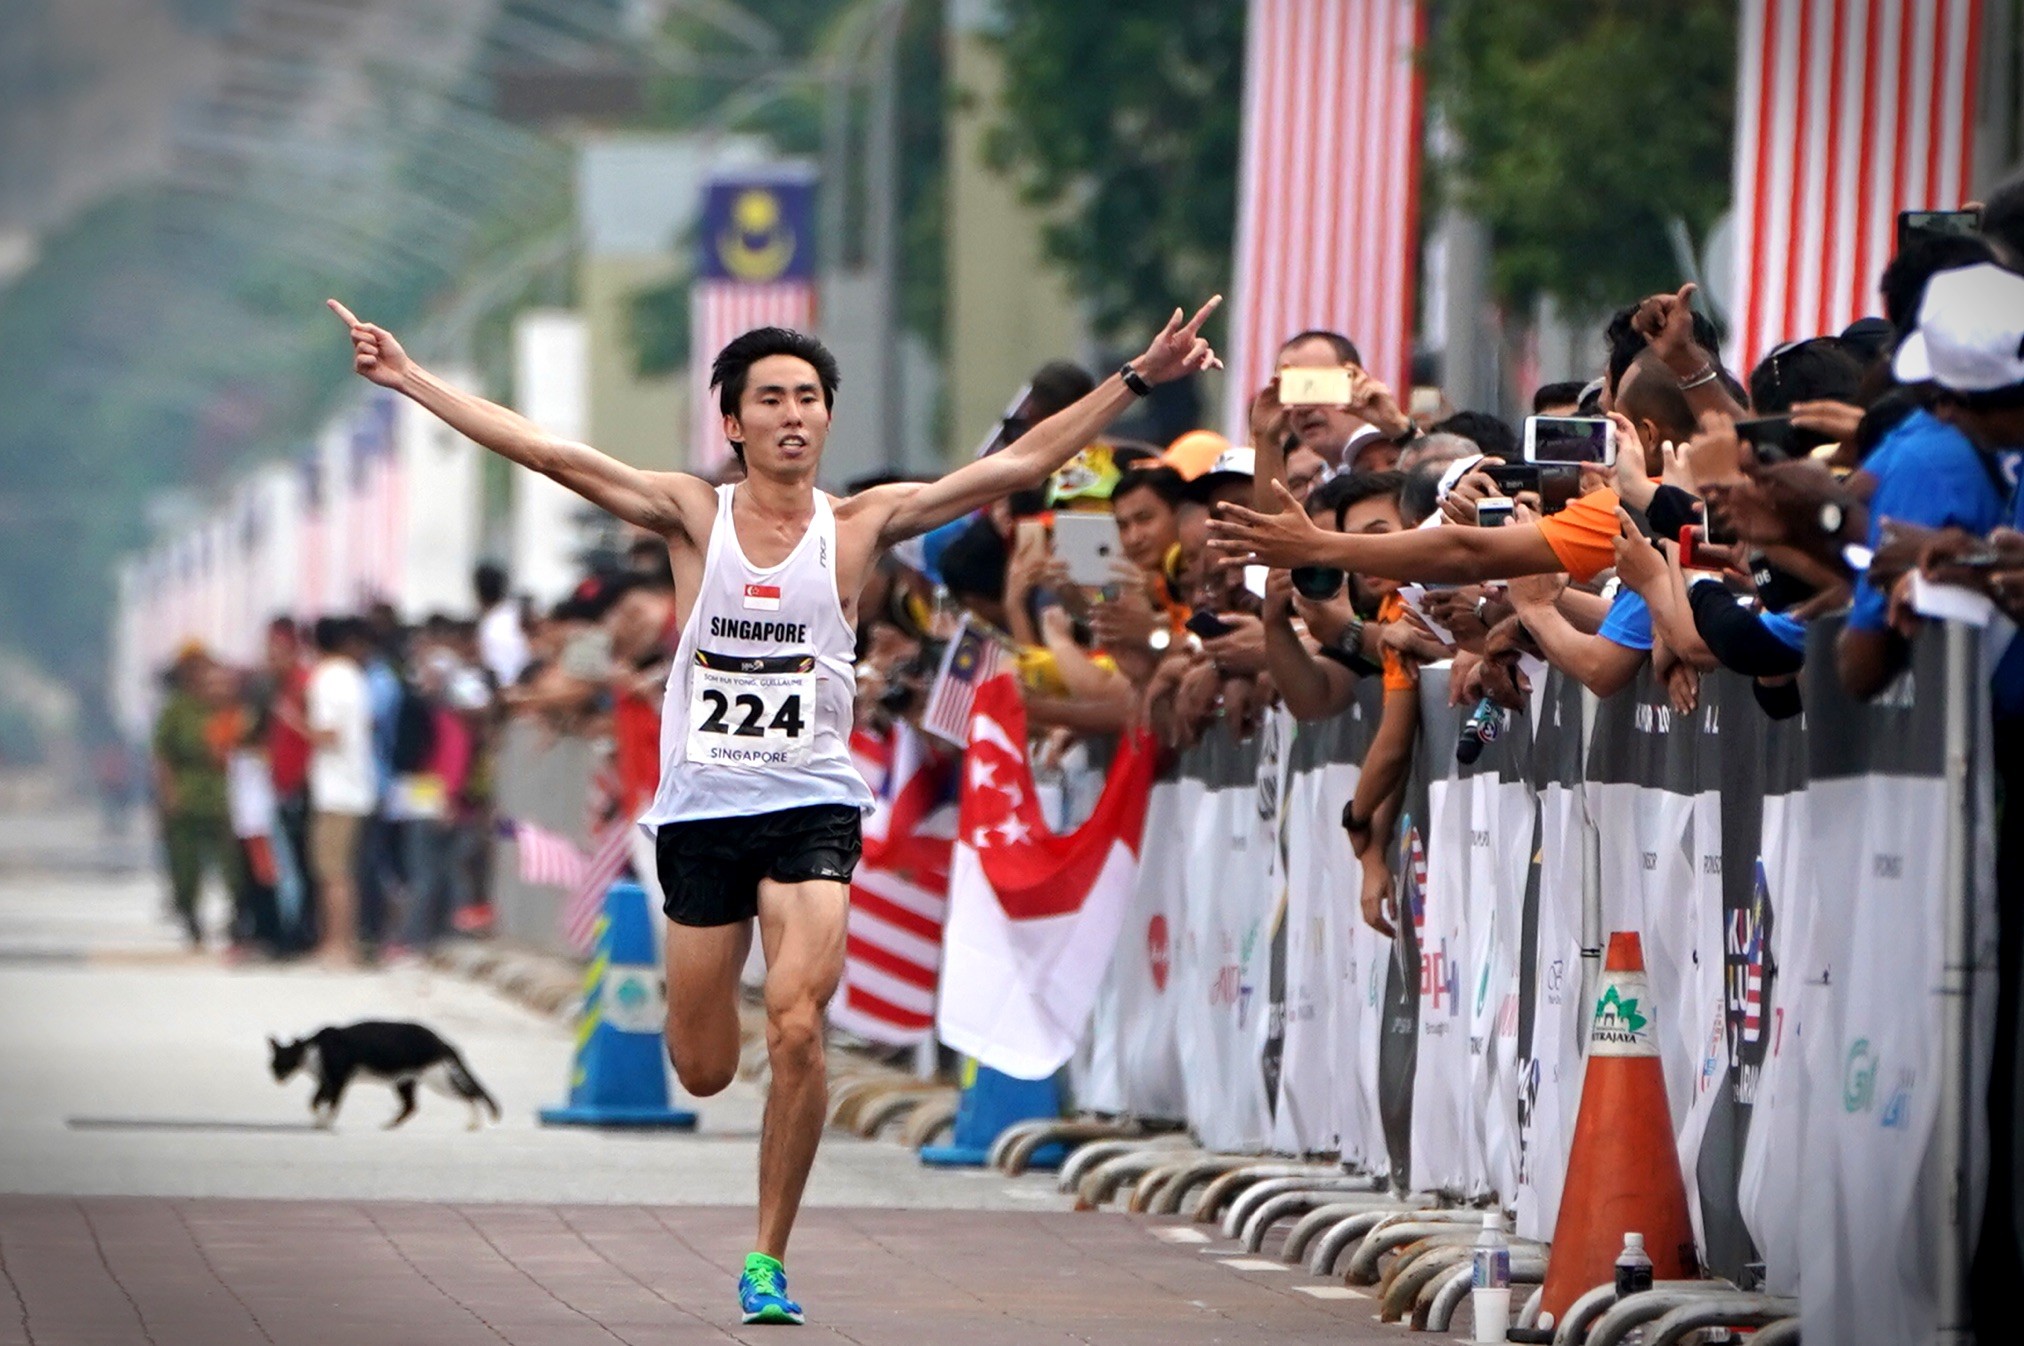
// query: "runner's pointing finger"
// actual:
[[344, 314], [1201, 315]]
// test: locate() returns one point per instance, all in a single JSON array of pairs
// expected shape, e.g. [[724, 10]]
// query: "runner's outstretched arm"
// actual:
[[1179, 349], [651, 500]]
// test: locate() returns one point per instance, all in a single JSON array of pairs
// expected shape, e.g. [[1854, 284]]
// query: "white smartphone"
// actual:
[[1087, 544], [1570, 439]]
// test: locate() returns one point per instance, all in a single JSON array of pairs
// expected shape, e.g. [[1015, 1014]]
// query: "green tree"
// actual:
[[1580, 129], [1121, 120]]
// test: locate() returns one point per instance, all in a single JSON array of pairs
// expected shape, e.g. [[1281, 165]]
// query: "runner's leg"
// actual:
[[802, 926], [702, 1032]]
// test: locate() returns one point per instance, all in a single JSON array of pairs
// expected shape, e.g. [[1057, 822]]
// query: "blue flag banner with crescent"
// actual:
[[755, 267]]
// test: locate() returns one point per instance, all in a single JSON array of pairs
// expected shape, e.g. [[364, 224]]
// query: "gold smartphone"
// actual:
[[1314, 386]]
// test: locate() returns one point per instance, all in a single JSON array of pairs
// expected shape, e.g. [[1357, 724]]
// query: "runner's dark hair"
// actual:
[[733, 366]]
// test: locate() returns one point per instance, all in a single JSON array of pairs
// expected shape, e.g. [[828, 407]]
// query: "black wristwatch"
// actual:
[[1407, 435], [1134, 380]]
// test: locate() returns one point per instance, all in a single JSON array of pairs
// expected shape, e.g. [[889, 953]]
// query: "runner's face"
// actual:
[[781, 417]]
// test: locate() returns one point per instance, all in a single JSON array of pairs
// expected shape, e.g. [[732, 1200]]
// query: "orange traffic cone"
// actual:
[[1624, 1172]]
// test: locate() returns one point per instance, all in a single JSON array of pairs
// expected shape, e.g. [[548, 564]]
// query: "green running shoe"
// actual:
[[762, 1291]]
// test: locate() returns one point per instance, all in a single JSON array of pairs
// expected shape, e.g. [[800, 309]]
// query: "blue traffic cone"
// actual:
[[620, 1077], [992, 1101]]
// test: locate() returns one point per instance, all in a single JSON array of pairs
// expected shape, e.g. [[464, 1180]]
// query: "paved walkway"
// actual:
[[104, 1271]]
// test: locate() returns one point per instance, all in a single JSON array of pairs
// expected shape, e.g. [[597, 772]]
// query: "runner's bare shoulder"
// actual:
[[693, 505]]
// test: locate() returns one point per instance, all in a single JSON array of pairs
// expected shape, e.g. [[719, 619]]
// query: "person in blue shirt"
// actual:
[[1929, 474]]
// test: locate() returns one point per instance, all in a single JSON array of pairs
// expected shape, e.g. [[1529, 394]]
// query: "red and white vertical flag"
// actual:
[[899, 893], [1328, 186], [1847, 111], [1033, 917], [755, 267]]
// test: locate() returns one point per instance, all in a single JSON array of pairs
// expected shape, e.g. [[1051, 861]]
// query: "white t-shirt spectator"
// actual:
[[340, 774], [502, 644]]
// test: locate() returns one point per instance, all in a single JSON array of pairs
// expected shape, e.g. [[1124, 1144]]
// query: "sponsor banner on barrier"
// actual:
[[1223, 965], [1787, 883]]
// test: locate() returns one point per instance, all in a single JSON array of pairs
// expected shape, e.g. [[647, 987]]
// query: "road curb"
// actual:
[[543, 982]]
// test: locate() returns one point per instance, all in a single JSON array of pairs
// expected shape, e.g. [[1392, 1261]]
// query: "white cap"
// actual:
[[1241, 459], [1970, 337], [1493, 1219]]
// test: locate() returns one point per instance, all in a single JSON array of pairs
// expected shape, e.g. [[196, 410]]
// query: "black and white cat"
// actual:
[[401, 1054]]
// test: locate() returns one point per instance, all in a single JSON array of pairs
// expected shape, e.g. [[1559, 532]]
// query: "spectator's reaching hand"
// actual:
[[1377, 901], [1240, 651], [1470, 490], [1240, 536], [1667, 322], [1195, 701], [1279, 595], [1127, 621], [1633, 486], [1679, 471], [1715, 454], [1467, 612], [1269, 417], [1411, 638], [1837, 420], [1529, 592], [1683, 687], [1638, 562], [1946, 556], [1373, 403]]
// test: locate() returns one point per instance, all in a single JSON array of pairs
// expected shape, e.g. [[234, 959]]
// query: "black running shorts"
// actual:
[[710, 868]]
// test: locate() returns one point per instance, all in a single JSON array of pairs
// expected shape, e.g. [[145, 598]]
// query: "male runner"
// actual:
[[758, 809]]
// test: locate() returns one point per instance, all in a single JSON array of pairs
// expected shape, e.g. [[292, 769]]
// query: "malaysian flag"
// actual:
[[585, 903], [971, 660], [545, 857], [1847, 111], [899, 893], [1328, 194], [755, 268]]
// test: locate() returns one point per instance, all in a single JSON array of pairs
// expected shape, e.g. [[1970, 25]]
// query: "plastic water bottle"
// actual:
[[1633, 1275], [1490, 1290]]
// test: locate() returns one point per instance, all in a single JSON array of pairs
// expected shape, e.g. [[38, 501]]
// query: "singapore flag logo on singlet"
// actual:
[[762, 597]]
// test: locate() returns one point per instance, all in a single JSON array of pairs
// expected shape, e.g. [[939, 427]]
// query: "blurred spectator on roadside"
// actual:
[[500, 635], [343, 791], [282, 695], [190, 752]]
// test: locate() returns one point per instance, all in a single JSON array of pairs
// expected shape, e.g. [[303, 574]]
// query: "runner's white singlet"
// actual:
[[758, 709]]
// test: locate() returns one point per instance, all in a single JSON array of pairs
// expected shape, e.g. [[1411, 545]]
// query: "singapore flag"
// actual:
[[1033, 917]]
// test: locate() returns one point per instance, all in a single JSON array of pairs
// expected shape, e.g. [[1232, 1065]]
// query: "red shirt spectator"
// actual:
[[287, 735]]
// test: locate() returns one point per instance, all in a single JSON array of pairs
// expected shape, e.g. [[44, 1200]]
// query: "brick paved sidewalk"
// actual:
[[104, 1271]]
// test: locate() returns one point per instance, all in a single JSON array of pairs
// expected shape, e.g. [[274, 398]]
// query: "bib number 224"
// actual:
[[751, 711]]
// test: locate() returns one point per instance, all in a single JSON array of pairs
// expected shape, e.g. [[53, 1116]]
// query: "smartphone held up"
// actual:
[[1319, 386], [1570, 439]]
